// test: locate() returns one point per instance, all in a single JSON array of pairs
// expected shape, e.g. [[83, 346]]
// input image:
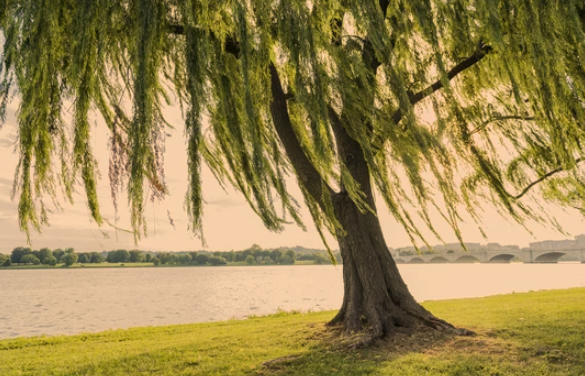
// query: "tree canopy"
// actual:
[[452, 102]]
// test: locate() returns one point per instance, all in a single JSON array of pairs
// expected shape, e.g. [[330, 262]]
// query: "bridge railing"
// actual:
[[527, 256]]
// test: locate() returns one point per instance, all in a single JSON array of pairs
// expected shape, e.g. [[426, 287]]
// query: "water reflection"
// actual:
[[34, 302]]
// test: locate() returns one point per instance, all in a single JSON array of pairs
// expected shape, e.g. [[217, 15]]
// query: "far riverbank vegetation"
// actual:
[[24, 257]]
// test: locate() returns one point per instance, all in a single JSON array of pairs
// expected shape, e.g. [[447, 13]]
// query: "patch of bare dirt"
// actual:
[[398, 342], [422, 340]]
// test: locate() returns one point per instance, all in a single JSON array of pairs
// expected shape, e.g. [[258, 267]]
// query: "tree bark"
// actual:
[[374, 292]]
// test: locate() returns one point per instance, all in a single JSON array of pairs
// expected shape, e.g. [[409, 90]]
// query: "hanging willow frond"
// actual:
[[451, 103]]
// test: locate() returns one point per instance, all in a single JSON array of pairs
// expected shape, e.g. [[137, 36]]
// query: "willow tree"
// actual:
[[434, 106]]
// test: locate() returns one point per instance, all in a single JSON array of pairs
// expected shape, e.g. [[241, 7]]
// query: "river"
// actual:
[[68, 301]]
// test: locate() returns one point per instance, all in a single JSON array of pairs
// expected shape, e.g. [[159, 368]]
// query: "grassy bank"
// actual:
[[541, 333]]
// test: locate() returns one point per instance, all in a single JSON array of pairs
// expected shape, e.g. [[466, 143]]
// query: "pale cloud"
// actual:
[[4, 183], [5, 143], [8, 210]]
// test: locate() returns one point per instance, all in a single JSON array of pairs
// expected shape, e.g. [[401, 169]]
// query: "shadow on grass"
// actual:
[[325, 353], [491, 352], [545, 340], [552, 349], [504, 353]]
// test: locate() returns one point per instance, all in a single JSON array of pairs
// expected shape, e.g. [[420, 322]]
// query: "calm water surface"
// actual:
[[35, 302]]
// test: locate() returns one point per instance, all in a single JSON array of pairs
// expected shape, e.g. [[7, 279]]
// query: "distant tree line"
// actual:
[[45, 256], [254, 255], [122, 255]]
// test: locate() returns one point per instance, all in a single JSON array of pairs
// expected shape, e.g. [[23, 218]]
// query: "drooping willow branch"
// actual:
[[308, 174], [486, 166], [231, 45], [311, 177], [481, 52], [415, 98], [543, 178]]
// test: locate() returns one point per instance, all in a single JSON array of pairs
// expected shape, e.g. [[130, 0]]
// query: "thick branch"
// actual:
[[384, 6], [456, 70], [349, 150], [543, 178], [368, 53], [176, 29], [351, 154], [306, 171], [337, 28], [308, 174], [232, 46]]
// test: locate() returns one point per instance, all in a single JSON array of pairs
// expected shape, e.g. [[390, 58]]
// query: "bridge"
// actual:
[[526, 256]]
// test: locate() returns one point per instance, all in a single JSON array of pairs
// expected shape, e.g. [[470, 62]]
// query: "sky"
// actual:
[[229, 223]]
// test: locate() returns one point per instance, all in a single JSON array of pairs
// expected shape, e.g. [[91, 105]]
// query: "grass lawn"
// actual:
[[540, 333]]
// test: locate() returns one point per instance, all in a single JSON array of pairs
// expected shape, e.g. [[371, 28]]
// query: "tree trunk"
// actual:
[[374, 292]]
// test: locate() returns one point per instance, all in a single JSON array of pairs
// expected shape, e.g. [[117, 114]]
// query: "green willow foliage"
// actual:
[[453, 102]]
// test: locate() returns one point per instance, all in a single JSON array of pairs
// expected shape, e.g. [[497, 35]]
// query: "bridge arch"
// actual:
[[503, 258], [549, 257], [466, 259], [416, 260], [438, 260], [399, 261]]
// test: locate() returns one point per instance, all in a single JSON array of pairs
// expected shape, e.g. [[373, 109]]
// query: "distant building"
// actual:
[[494, 246], [580, 239], [559, 245], [473, 247], [547, 245], [454, 247]]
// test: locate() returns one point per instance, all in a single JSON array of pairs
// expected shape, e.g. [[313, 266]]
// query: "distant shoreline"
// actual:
[[138, 265]]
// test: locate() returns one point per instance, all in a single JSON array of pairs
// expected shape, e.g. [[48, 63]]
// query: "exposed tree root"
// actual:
[[363, 343], [365, 337], [438, 324], [376, 300]]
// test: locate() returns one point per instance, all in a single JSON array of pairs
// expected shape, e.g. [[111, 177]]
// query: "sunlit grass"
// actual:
[[541, 333]]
